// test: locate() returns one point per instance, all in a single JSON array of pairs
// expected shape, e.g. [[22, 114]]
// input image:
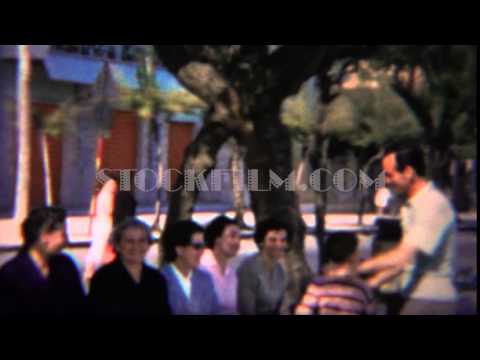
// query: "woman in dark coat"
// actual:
[[128, 288], [41, 282]]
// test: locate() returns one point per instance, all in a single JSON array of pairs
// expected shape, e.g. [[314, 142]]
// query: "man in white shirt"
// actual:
[[425, 257], [222, 237]]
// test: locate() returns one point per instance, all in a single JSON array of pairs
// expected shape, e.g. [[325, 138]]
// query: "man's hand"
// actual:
[[383, 277], [399, 257]]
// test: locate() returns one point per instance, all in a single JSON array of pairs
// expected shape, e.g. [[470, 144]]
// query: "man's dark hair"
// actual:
[[216, 228], [412, 156], [340, 247], [47, 219], [264, 227], [179, 234]]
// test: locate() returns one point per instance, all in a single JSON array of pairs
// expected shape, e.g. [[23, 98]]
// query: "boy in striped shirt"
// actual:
[[338, 291]]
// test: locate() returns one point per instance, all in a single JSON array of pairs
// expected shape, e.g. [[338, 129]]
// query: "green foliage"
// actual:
[[359, 119], [371, 117], [300, 114], [148, 100], [445, 106]]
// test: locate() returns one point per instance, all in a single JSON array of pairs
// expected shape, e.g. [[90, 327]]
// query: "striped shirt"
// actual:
[[336, 296]]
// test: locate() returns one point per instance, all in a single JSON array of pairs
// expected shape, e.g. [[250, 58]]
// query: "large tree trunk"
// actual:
[[22, 201], [201, 157], [270, 149]]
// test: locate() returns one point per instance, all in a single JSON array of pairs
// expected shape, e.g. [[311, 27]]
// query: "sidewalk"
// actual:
[[79, 226]]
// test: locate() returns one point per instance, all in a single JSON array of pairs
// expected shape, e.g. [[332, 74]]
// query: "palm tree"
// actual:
[[22, 200]]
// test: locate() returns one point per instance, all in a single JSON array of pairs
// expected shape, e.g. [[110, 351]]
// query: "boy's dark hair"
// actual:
[[340, 247], [412, 156], [179, 234], [266, 226], [47, 219], [216, 228]]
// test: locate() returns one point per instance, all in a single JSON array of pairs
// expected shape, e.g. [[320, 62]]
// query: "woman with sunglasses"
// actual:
[[190, 290]]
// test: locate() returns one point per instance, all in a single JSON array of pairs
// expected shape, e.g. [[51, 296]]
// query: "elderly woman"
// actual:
[[261, 278], [191, 290], [128, 287]]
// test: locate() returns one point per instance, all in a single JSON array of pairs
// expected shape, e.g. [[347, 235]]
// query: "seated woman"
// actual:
[[128, 287], [261, 278], [41, 282], [190, 290]]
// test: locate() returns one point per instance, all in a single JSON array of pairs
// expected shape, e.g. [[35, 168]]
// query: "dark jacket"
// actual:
[[114, 294], [26, 293]]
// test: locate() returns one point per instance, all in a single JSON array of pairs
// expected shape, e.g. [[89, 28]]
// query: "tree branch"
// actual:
[[415, 104]]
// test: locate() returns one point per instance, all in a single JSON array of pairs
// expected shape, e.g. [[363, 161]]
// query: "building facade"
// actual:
[[70, 74]]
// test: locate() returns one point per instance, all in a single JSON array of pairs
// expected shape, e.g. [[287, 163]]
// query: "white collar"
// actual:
[[184, 282], [179, 274], [420, 194]]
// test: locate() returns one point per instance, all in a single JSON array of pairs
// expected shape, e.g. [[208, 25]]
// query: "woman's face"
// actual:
[[133, 246], [229, 243], [275, 244], [54, 241], [190, 255]]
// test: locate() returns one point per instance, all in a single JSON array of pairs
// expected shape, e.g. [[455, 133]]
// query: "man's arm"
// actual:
[[384, 276], [397, 259]]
